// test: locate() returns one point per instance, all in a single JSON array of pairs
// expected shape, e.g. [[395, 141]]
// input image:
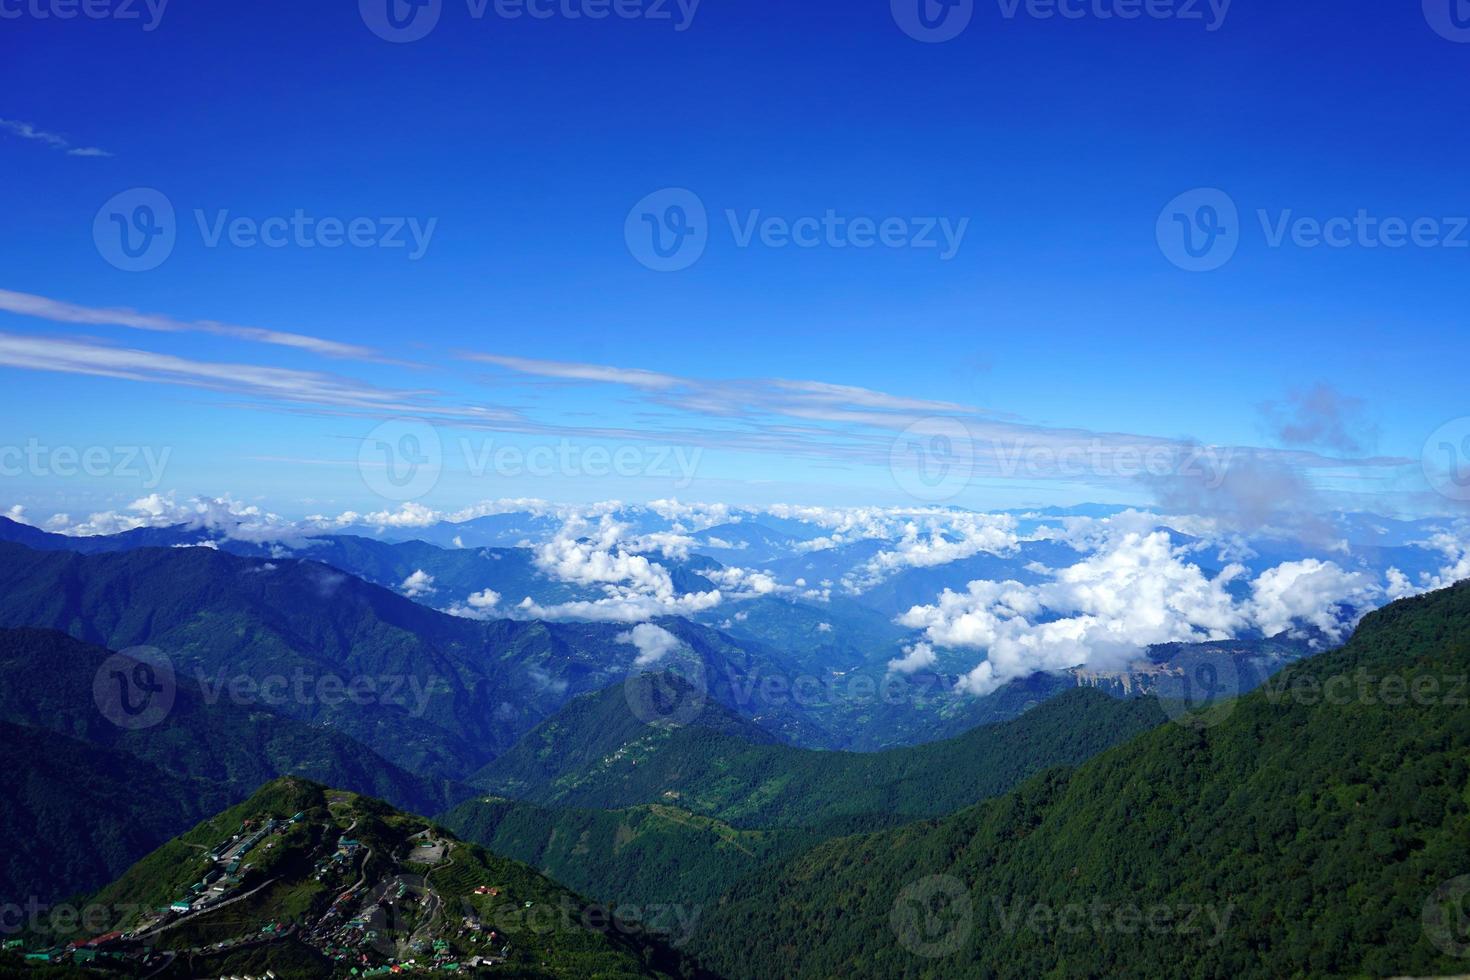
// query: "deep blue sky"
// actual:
[[529, 141]]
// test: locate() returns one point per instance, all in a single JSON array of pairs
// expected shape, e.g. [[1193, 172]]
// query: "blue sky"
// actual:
[[1057, 142]]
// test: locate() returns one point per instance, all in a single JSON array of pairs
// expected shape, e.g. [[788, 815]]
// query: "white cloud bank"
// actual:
[[1135, 591]]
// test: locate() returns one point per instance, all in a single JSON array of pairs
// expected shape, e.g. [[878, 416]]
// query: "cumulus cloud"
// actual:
[[17, 513], [1105, 608], [917, 657], [417, 585], [938, 540], [1454, 546], [222, 517], [653, 643], [1313, 592], [1137, 590], [484, 604], [484, 599]]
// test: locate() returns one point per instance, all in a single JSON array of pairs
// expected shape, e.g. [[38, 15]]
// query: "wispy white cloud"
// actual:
[[571, 371], [59, 311], [850, 425], [54, 140], [287, 384]]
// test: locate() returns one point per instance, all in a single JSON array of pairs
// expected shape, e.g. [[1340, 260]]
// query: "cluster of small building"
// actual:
[[367, 934], [226, 869]]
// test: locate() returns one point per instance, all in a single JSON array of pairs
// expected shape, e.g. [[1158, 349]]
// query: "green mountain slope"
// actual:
[[596, 754], [1305, 833], [443, 695], [49, 683], [640, 855], [308, 881], [77, 814]]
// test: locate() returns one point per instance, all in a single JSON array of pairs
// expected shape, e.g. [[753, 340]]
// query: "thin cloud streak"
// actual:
[[71, 356], [59, 311], [572, 371], [54, 140]]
